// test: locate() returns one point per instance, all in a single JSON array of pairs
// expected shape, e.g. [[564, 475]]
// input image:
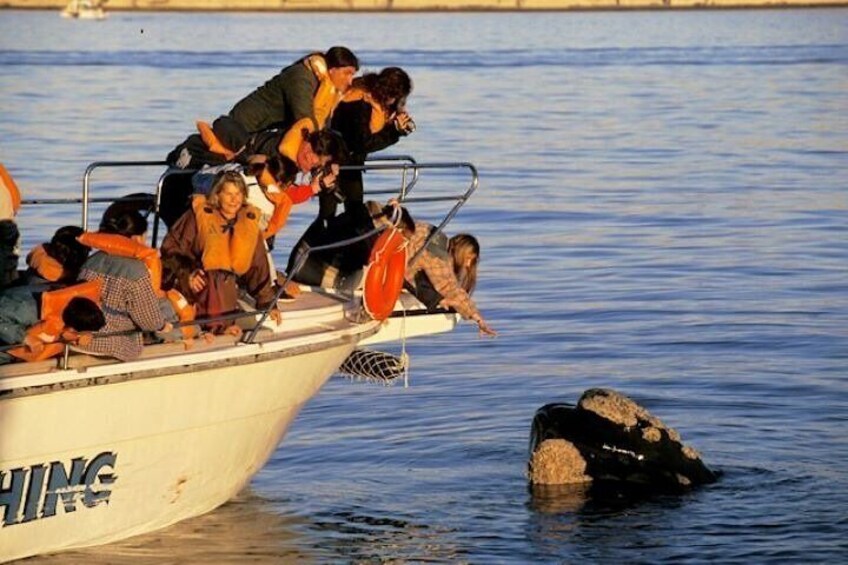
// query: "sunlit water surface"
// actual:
[[662, 209]]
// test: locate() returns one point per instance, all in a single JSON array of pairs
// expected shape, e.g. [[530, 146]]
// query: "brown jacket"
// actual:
[[257, 281]]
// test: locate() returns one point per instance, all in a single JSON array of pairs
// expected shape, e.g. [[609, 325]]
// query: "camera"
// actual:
[[331, 188], [407, 128]]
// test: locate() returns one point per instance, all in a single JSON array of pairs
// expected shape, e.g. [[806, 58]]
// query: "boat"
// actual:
[[93, 450], [84, 10]]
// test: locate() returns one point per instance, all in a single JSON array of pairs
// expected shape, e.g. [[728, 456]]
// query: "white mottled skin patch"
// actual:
[[557, 462], [618, 408]]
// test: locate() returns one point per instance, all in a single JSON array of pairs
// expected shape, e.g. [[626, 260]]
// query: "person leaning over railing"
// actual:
[[445, 272], [303, 94], [371, 117], [221, 234]]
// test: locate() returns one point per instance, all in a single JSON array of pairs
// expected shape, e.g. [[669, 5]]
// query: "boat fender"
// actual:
[[384, 274], [121, 246]]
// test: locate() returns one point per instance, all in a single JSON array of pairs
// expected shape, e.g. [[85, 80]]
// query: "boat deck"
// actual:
[[310, 313]]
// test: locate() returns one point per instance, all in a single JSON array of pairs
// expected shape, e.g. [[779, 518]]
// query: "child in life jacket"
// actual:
[[44, 324], [58, 260], [180, 301]]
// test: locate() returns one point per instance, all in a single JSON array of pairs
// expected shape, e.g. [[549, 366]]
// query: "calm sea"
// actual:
[[663, 210]]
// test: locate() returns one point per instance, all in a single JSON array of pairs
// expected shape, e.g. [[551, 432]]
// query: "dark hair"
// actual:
[[327, 142], [392, 83], [275, 165], [139, 201], [406, 223], [125, 222], [83, 315], [69, 252], [338, 56], [176, 270], [9, 235]]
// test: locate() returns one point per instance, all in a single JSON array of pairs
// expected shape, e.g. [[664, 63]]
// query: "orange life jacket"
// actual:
[[212, 142], [185, 312], [326, 98], [123, 246], [282, 203], [49, 329], [282, 208], [45, 265], [378, 114], [223, 251], [10, 196]]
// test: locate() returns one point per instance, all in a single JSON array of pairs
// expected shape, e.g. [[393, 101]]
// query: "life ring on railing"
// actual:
[[384, 274]]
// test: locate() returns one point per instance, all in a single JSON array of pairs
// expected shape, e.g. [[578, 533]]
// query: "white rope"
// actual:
[[404, 356]]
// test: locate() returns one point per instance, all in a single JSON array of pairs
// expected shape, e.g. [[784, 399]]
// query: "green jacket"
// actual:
[[280, 102]]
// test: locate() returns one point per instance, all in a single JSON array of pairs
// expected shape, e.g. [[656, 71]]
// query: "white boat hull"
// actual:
[[102, 462]]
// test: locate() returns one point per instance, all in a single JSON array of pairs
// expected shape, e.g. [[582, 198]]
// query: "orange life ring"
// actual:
[[384, 274]]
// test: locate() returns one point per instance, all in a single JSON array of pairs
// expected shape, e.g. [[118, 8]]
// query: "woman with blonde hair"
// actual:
[[444, 274], [464, 250], [221, 235]]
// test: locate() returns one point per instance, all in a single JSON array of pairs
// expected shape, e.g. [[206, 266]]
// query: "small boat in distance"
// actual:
[[93, 450], [85, 10]]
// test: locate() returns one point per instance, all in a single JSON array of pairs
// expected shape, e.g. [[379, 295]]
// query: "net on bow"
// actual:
[[375, 366]]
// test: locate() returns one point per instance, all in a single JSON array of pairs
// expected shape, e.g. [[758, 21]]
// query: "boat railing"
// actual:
[[410, 173], [458, 199]]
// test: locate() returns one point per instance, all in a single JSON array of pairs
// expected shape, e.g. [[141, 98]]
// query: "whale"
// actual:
[[607, 438]]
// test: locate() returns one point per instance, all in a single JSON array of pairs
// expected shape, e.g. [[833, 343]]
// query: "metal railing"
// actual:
[[410, 171]]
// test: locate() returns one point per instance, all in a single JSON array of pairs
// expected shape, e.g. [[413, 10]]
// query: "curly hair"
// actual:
[[389, 88]]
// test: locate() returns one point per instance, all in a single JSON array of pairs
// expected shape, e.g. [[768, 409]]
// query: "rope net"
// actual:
[[374, 366]]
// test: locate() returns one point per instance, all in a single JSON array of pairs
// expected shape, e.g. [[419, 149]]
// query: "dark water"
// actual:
[[663, 211]]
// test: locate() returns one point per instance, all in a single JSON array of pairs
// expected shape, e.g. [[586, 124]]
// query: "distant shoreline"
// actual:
[[423, 6]]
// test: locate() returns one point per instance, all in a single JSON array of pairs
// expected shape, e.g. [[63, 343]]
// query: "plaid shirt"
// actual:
[[128, 303], [441, 275]]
